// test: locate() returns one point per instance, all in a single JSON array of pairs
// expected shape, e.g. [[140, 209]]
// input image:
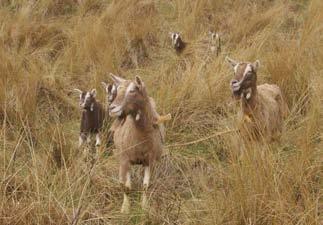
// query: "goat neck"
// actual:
[[249, 105], [144, 115]]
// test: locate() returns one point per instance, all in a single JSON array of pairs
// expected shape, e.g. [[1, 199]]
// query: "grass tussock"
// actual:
[[47, 48]]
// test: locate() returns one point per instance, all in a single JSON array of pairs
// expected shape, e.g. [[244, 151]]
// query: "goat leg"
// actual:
[[82, 139], [125, 180], [145, 187], [97, 140]]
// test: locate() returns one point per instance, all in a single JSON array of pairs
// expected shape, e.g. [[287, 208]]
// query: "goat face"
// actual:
[[87, 99], [129, 98], [177, 42], [245, 78], [111, 90], [213, 36]]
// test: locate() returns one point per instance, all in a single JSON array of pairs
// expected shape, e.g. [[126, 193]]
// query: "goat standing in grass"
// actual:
[[177, 42], [215, 42], [137, 138], [262, 107], [92, 118]]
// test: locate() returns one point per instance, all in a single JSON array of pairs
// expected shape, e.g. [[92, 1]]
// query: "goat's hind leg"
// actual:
[[125, 180], [145, 187], [82, 139]]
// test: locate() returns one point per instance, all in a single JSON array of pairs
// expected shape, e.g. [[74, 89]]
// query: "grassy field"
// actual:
[[48, 48]]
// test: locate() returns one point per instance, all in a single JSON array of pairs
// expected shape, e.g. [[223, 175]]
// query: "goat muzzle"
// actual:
[[115, 110], [235, 85]]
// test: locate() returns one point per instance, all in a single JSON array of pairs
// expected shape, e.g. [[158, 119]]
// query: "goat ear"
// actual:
[[256, 65], [93, 93], [232, 62], [139, 81], [116, 79]]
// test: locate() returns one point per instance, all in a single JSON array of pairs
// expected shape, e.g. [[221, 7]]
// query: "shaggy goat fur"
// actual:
[[137, 138], [262, 107]]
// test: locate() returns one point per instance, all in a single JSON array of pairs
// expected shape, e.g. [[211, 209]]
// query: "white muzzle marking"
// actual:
[[236, 86], [116, 111]]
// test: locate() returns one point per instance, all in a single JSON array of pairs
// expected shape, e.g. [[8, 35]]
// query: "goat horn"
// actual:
[[231, 61], [116, 78], [78, 90]]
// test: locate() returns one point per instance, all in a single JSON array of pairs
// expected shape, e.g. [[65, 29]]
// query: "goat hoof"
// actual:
[[125, 209]]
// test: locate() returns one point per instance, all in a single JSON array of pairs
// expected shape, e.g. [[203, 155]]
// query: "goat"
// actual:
[[137, 138], [92, 118], [177, 42], [262, 107], [215, 42], [111, 91]]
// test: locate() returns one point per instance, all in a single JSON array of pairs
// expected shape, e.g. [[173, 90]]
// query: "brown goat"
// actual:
[[92, 118], [262, 107], [111, 91], [137, 138]]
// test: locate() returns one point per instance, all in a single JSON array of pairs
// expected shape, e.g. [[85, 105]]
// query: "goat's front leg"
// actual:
[[97, 140], [82, 139], [145, 187], [125, 180]]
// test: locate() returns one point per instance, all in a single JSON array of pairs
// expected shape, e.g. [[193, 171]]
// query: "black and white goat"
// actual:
[[92, 119], [111, 90], [177, 42]]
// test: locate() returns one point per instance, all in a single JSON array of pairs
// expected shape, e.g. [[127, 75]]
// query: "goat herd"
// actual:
[[138, 131]]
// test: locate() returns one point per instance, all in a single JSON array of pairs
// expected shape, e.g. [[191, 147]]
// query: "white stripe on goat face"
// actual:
[[247, 70], [113, 88], [235, 68], [131, 87], [175, 36], [113, 93], [86, 97]]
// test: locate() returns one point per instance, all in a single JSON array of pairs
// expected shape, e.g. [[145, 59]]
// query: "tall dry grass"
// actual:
[[47, 48]]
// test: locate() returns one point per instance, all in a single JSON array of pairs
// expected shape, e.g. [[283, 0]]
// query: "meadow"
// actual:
[[48, 48]]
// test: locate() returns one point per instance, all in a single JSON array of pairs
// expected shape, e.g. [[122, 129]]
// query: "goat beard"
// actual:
[[236, 94], [242, 92]]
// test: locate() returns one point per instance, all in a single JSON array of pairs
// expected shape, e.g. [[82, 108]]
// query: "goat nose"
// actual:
[[111, 107], [234, 81]]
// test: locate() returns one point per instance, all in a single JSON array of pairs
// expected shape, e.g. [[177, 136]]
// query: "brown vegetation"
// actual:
[[47, 48]]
